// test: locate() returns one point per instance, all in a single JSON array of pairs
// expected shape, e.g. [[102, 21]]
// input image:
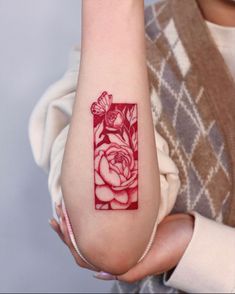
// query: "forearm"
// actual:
[[113, 48], [113, 59]]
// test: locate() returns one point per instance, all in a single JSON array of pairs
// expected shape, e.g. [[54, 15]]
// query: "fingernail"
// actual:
[[104, 276]]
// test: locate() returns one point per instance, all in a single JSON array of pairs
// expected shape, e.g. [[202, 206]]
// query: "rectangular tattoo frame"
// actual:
[[115, 142]]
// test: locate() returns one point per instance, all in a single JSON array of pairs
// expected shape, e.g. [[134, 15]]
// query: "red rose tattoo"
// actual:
[[115, 154]]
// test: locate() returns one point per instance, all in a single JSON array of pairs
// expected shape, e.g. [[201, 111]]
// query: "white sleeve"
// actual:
[[208, 264], [48, 129], [49, 123]]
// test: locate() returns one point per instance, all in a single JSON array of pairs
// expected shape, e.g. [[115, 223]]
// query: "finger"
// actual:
[[150, 265], [138, 272], [64, 227], [56, 227], [80, 262], [161, 257], [67, 239], [65, 231]]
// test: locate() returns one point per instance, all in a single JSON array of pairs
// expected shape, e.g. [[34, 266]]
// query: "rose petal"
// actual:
[[123, 179], [110, 157], [113, 147], [126, 172], [131, 179], [98, 179], [133, 184], [104, 193], [105, 206], [129, 156], [97, 159], [115, 168], [108, 175], [102, 206], [133, 195], [118, 121], [119, 166], [102, 147], [117, 205], [121, 196]]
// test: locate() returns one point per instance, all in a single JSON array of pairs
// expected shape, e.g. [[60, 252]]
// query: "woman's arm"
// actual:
[[112, 59]]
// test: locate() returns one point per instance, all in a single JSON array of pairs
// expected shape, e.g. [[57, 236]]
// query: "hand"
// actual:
[[62, 231], [172, 238]]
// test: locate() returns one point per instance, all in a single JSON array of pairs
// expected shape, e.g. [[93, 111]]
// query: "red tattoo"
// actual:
[[115, 154]]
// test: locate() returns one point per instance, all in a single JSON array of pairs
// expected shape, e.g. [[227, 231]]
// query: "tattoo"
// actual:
[[115, 154]]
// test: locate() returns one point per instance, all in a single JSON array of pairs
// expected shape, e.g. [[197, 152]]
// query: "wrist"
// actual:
[[112, 25], [181, 225], [98, 8], [187, 227]]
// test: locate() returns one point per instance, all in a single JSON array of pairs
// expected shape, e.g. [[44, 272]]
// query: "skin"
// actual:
[[113, 59], [221, 12], [175, 231], [172, 238]]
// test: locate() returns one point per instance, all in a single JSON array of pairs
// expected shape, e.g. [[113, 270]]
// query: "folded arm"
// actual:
[[112, 61]]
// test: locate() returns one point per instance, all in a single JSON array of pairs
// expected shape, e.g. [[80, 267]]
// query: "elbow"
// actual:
[[112, 242], [106, 243], [106, 255]]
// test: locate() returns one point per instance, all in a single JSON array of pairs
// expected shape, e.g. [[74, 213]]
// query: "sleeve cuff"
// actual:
[[208, 264]]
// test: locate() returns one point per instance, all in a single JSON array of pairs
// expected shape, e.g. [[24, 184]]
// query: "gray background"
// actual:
[[36, 37]]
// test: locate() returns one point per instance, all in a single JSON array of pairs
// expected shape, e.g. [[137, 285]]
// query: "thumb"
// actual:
[[148, 266]]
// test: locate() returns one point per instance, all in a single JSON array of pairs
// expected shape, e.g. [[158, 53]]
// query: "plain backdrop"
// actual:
[[35, 39]]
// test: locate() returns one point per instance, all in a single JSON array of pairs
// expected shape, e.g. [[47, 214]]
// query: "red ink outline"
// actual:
[[115, 145]]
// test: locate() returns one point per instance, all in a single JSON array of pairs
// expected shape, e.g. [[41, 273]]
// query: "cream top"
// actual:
[[224, 38]]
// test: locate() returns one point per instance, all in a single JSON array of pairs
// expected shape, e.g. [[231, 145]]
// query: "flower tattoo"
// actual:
[[115, 154]]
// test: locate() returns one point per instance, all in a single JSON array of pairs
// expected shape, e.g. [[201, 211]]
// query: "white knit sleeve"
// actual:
[[49, 124], [208, 264], [169, 173], [48, 129]]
